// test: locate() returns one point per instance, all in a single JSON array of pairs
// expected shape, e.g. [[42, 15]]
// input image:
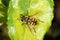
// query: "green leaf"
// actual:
[[42, 10]]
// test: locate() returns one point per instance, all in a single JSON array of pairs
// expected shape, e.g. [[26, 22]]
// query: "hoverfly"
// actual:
[[31, 21]]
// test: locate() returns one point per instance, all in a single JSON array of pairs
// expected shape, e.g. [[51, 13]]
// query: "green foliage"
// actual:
[[5, 2], [3, 15]]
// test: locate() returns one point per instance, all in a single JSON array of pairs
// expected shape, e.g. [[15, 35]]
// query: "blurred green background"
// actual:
[[52, 34]]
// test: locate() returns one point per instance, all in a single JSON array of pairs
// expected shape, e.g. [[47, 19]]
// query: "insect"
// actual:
[[29, 20]]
